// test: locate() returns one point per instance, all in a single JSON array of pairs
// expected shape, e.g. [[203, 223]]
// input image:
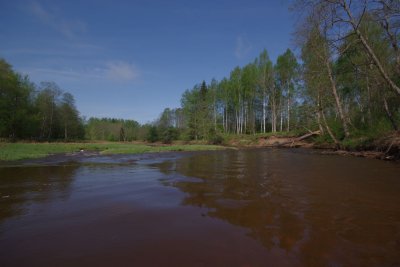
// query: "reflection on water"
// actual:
[[241, 189], [225, 208], [20, 186], [328, 211]]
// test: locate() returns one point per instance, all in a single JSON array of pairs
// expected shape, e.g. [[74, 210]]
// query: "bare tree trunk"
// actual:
[[274, 115], [245, 114], [51, 120], [371, 52], [321, 129], [368, 100], [392, 37], [389, 114], [328, 129], [65, 131], [215, 115], [226, 120], [281, 114], [264, 112], [319, 115], [237, 122], [337, 99], [43, 127], [229, 125], [223, 120], [288, 111]]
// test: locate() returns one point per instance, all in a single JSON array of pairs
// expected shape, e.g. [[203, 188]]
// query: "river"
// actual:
[[252, 207]]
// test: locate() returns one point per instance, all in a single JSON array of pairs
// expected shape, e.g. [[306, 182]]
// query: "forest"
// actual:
[[342, 78]]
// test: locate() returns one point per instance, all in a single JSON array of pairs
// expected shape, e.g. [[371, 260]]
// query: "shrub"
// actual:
[[169, 135], [152, 134]]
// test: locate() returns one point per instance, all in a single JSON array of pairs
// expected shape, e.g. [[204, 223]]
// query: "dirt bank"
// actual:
[[386, 147]]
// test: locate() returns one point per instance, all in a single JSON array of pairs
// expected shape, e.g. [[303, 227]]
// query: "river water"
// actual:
[[255, 207]]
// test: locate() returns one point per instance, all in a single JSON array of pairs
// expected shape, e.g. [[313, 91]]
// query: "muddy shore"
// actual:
[[385, 148]]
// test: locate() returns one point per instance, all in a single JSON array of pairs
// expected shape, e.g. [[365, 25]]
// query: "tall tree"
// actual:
[[314, 34], [47, 102], [249, 89], [265, 81], [15, 103], [70, 119], [287, 68], [342, 18]]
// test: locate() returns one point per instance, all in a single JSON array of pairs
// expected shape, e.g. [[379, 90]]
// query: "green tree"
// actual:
[[152, 135], [249, 87], [47, 102], [70, 120], [196, 107], [287, 72], [15, 103], [265, 80]]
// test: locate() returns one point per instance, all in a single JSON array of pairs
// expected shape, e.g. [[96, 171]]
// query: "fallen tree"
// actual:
[[279, 142]]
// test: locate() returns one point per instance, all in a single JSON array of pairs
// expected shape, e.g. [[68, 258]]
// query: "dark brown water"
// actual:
[[228, 208]]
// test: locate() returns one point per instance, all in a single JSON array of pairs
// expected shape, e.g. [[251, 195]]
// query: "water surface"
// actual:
[[253, 207]]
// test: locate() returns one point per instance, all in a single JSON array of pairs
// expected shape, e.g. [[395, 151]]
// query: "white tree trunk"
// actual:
[[264, 111], [288, 112], [337, 99]]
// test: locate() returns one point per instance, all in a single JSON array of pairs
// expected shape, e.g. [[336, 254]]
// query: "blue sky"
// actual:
[[132, 59]]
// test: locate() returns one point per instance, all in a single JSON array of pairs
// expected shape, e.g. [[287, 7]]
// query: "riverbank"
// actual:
[[19, 151], [385, 147]]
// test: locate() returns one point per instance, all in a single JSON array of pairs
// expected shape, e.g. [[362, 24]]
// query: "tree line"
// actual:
[[259, 97], [36, 112], [345, 81], [45, 112]]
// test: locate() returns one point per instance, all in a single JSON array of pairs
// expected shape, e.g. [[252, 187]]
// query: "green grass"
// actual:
[[18, 151]]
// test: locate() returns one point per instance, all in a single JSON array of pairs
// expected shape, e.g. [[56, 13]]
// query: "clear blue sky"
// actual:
[[132, 59]]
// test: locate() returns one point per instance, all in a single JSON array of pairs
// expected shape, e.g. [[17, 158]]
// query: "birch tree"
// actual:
[[265, 79], [287, 67]]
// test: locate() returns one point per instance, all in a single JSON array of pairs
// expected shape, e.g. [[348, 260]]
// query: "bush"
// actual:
[[215, 138], [169, 135], [152, 134]]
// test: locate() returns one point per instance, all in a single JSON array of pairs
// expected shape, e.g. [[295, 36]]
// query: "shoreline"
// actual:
[[386, 148], [12, 152]]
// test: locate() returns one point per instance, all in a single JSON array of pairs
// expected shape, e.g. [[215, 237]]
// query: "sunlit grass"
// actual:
[[18, 151]]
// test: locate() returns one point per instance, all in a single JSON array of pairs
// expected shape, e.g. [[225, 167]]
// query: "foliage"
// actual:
[[347, 86], [152, 135], [110, 129], [27, 113], [216, 139], [170, 134]]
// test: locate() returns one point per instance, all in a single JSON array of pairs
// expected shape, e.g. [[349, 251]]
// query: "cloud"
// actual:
[[70, 28], [68, 74], [121, 71], [115, 71], [65, 49], [243, 47]]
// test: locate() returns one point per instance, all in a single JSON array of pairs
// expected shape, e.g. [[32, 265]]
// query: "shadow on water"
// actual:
[[22, 185], [326, 211]]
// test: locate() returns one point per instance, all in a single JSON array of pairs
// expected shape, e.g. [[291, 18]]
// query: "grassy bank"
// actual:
[[18, 151], [387, 145]]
